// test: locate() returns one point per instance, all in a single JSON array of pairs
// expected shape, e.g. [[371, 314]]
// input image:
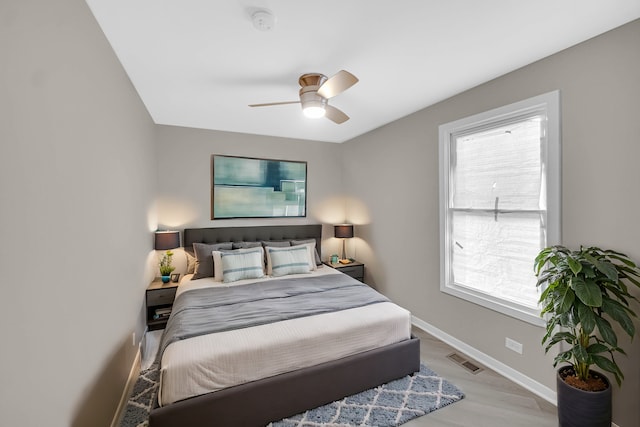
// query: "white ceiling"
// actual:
[[199, 63]]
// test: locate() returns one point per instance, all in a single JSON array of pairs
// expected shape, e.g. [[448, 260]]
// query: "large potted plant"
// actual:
[[584, 293]]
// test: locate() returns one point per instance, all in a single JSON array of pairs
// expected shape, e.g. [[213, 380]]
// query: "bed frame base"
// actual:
[[271, 399]]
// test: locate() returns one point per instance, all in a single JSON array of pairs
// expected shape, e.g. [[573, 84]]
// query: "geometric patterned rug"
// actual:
[[142, 398], [388, 405]]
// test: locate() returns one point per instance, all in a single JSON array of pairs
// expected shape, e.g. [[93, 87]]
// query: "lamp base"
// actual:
[[344, 256]]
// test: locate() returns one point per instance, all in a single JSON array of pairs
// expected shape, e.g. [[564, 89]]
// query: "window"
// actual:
[[500, 203]]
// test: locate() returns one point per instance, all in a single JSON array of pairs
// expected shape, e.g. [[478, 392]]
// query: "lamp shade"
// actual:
[[343, 231], [167, 240]]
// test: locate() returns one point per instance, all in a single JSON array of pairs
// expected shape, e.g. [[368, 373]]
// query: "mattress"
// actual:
[[217, 361]]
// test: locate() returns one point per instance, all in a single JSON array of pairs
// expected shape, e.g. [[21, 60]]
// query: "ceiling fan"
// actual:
[[315, 92]]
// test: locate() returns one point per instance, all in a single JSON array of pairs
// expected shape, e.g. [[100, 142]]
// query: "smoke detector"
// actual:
[[263, 20]]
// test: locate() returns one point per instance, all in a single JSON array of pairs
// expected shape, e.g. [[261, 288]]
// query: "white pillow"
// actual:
[[217, 266], [217, 261], [242, 264], [311, 247], [292, 260]]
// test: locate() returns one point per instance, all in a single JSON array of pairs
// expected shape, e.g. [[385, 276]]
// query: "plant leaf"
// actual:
[[619, 350], [609, 366], [566, 320], [620, 257], [541, 260], [565, 356], [597, 348], [544, 294], [619, 295], [587, 291], [566, 301], [606, 332], [625, 275], [551, 324], [605, 267], [580, 353], [588, 271], [618, 312], [560, 336], [544, 278], [574, 265], [587, 318]]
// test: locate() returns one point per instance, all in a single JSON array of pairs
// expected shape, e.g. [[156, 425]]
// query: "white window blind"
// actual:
[[496, 174]]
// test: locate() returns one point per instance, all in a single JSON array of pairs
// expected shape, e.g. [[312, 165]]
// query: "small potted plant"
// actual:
[[165, 266], [583, 292]]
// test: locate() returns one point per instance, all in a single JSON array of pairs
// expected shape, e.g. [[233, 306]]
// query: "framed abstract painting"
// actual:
[[246, 187]]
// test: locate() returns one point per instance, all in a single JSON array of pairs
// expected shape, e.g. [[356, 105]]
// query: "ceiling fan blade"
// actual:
[[335, 115], [274, 103], [337, 84]]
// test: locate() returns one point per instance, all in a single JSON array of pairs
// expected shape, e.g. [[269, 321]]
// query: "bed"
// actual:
[[296, 363]]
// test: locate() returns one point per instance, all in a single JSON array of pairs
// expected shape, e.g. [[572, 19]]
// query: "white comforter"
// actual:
[[213, 362]]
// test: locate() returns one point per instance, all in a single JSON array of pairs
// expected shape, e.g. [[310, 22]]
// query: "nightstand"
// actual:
[[354, 269], [159, 300]]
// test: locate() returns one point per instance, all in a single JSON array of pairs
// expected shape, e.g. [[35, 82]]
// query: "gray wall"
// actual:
[[77, 182], [392, 174], [184, 198]]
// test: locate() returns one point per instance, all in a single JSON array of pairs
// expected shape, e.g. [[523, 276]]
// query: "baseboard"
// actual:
[[506, 371], [133, 376]]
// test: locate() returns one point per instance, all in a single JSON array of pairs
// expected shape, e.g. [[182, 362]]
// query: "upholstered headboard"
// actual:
[[253, 234]]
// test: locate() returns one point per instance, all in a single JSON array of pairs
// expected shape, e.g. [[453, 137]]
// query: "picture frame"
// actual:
[[175, 277], [249, 187]]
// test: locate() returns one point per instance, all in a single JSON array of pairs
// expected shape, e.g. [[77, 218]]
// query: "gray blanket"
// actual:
[[208, 310]]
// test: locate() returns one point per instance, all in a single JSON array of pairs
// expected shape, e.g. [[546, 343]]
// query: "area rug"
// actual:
[[388, 405]]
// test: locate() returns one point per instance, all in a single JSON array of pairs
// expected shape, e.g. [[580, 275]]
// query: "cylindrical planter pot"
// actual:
[[580, 408]]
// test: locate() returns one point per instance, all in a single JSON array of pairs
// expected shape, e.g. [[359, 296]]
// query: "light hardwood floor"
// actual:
[[490, 400]]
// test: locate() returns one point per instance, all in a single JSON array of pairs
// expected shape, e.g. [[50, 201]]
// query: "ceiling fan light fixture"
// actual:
[[313, 106], [314, 111], [315, 90]]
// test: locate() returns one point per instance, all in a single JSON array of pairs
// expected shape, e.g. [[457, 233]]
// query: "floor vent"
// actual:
[[465, 363]]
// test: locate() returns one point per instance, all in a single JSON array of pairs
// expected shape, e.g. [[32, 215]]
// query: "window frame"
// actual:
[[549, 105]]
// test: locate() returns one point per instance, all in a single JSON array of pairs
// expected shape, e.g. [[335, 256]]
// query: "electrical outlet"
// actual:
[[513, 345], [133, 338]]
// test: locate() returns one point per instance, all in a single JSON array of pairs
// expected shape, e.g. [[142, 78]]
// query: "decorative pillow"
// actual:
[[191, 263], [293, 260], [217, 261], [273, 244], [217, 266], [245, 245], [302, 242], [242, 264], [204, 259], [267, 257], [311, 249]]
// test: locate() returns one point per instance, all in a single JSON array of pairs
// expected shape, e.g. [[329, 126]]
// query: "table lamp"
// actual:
[[343, 231], [167, 240]]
